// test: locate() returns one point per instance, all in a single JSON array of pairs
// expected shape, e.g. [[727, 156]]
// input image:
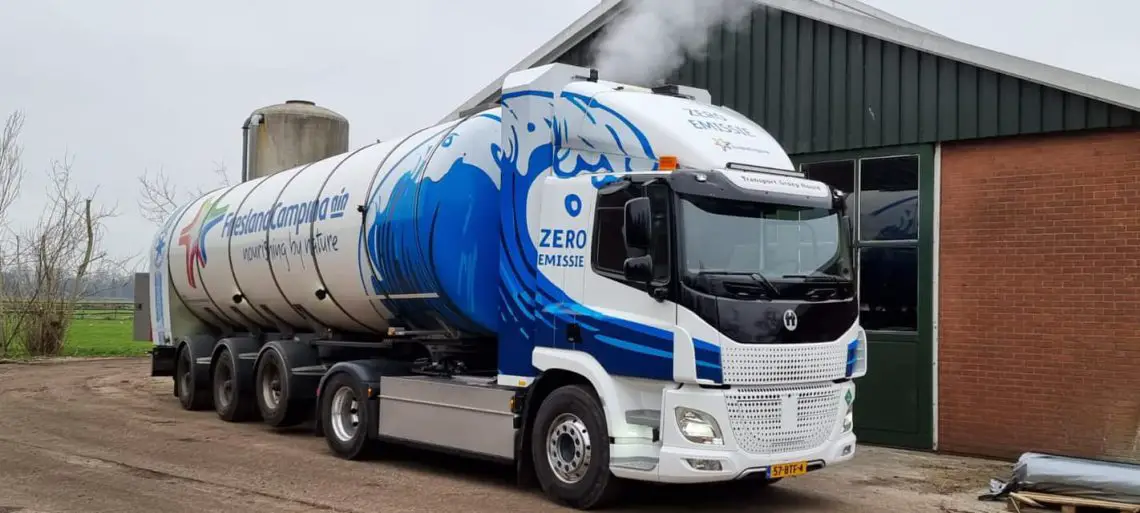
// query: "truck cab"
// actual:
[[704, 287], [738, 288]]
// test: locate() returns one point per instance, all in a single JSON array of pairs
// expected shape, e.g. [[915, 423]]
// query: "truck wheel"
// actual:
[[193, 395], [274, 400], [571, 450], [344, 416], [232, 398]]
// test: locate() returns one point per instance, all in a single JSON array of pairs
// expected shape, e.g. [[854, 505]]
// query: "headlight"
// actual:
[[698, 426], [848, 421]]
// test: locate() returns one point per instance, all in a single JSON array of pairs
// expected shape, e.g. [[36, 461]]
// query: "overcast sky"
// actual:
[[130, 85]]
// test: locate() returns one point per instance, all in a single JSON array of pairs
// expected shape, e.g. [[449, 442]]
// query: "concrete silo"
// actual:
[[290, 134]]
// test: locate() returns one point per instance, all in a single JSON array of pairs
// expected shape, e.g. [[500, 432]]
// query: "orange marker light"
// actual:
[[667, 163]]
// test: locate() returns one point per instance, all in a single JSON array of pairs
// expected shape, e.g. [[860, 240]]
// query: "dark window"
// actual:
[[609, 241], [888, 199], [888, 288], [886, 210], [609, 251], [837, 173]]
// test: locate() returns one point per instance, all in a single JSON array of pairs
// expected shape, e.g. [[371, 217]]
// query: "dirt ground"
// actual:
[[101, 435]]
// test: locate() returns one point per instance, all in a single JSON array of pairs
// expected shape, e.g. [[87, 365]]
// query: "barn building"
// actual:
[[999, 218]]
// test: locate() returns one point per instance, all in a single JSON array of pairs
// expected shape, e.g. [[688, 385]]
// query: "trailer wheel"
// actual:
[[571, 451], [232, 398], [274, 398], [344, 416], [193, 395]]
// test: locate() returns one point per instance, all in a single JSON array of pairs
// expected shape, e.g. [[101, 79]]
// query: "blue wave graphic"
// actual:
[[460, 237], [438, 237]]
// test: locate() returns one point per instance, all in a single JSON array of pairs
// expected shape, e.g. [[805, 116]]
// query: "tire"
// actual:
[[233, 400], [192, 395], [346, 432], [274, 398], [570, 432]]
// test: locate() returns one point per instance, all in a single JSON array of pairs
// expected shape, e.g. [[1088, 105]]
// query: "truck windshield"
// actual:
[[764, 242]]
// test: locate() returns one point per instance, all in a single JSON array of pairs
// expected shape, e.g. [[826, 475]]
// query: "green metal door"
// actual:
[[893, 190]]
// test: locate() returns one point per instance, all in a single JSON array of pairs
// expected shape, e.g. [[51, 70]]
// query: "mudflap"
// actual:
[[163, 360], [524, 464]]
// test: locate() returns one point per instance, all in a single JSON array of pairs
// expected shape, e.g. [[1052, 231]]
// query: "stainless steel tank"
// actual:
[[290, 134]]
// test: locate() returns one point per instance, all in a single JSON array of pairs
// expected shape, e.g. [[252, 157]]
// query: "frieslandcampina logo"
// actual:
[[729, 145], [192, 236]]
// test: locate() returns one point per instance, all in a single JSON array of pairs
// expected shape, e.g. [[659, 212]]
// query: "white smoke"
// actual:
[[652, 39]]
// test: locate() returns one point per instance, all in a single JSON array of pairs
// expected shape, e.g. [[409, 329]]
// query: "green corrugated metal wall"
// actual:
[[820, 88]]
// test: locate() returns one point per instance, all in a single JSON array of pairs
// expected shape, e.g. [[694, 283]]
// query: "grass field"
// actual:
[[99, 330], [102, 337]]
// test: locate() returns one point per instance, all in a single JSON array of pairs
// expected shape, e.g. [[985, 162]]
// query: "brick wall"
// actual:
[[1039, 334]]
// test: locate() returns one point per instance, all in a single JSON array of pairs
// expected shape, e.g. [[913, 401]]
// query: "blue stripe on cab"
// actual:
[[852, 356], [708, 361]]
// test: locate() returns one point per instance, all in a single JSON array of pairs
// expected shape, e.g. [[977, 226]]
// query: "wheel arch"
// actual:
[[235, 345], [606, 390], [197, 344], [294, 354]]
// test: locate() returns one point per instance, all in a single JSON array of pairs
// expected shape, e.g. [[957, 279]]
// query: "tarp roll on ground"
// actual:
[[1076, 477]]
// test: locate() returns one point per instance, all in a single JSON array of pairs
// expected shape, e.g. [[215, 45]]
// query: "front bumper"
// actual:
[[760, 427]]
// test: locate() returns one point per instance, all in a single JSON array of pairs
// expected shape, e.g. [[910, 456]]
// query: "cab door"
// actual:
[[626, 329]]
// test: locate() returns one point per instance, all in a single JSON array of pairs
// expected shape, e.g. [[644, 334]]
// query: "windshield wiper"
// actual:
[[819, 278], [759, 278], [765, 286]]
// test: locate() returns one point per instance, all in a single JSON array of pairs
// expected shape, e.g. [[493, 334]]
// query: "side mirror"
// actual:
[[848, 209], [638, 269], [845, 203], [849, 225], [637, 224]]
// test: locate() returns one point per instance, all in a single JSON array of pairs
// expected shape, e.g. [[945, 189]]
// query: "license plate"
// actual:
[[787, 470]]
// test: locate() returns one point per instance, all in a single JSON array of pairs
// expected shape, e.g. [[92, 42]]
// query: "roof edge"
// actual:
[[874, 12], [1067, 80], [902, 33]]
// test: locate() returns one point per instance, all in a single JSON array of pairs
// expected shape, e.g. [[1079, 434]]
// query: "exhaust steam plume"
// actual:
[[652, 39]]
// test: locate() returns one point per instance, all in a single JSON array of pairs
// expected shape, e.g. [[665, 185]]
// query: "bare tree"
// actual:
[[52, 259], [11, 168], [158, 198], [11, 177], [44, 266]]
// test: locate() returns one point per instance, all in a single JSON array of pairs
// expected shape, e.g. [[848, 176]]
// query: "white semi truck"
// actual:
[[596, 281]]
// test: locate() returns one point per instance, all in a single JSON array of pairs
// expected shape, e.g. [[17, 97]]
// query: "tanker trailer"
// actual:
[[595, 281]]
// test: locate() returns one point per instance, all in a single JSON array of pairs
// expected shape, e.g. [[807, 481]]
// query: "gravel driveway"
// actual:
[[101, 435]]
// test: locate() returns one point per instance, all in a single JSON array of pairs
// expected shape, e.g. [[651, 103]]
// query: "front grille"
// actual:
[[772, 364], [768, 420]]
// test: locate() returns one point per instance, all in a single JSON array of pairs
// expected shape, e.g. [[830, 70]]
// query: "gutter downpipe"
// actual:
[[247, 144]]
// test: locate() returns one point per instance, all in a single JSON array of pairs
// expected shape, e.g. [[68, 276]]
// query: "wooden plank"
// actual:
[[1025, 500], [1069, 504]]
